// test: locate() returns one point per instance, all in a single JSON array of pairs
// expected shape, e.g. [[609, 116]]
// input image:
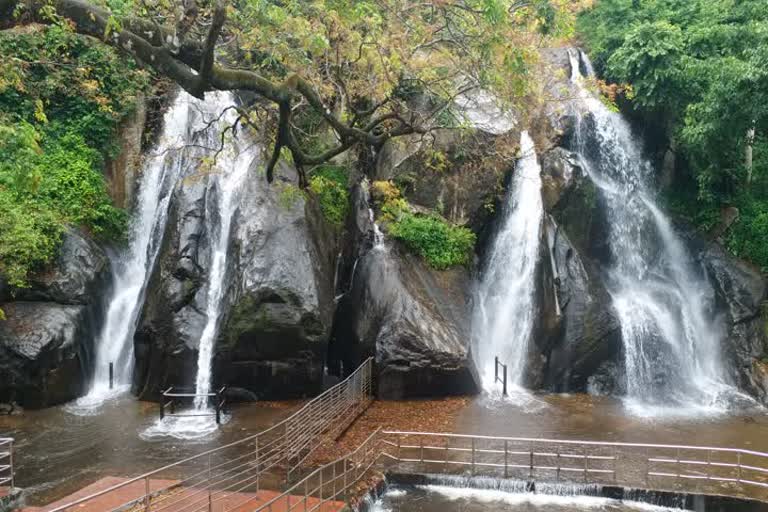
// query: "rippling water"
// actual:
[[58, 453]]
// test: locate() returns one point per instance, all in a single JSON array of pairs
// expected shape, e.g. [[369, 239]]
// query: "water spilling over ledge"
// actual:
[[672, 336], [505, 309]]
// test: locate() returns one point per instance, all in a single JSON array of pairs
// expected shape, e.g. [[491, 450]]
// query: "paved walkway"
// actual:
[[188, 500]]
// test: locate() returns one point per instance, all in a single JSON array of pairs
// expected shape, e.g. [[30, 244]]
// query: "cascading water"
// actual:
[[232, 162], [132, 267], [505, 306], [670, 331]]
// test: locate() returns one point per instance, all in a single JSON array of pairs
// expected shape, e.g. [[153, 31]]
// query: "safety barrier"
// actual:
[[6, 463], [226, 477], [174, 397], [329, 484], [708, 470]]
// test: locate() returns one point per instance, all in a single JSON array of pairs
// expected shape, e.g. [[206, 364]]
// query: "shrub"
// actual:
[[329, 184], [30, 233], [442, 244]]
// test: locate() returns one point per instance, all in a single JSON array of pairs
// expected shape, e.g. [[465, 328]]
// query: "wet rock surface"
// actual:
[[413, 319], [279, 300], [46, 341]]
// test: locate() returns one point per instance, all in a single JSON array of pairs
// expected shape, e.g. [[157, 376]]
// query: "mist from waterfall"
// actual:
[[132, 267], [505, 302], [671, 334]]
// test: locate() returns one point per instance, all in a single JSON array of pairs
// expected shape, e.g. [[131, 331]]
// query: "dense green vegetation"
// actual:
[[329, 184], [441, 243], [699, 71], [61, 98]]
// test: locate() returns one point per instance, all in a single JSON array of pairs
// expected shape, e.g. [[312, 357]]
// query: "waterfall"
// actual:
[[665, 305], [505, 303], [229, 157], [131, 268], [233, 163]]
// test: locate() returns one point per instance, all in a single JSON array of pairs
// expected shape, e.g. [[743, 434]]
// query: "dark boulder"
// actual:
[[740, 292], [464, 186], [173, 315], [78, 273], [589, 333], [414, 319], [43, 360], [586, 333], [274, 341], [278, 305], [46, 341]]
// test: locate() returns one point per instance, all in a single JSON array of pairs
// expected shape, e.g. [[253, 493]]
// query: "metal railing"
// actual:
[[226, 477], [6, 462], [173, 397], [725, 471], [330, 483], [503, 378]]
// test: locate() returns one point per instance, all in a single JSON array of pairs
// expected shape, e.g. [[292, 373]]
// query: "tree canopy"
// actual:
[[355, 64], [320, 78]]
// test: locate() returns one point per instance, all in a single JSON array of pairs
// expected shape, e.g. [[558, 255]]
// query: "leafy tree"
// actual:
[[353, 63]]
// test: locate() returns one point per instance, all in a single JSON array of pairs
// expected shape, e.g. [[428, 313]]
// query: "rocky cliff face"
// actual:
[[279, 300], [413, 319], [46, 341]]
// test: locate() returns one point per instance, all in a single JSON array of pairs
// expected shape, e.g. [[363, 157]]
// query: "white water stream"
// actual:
[[131, 268], [225, 183], [671, 334], [505, 303]]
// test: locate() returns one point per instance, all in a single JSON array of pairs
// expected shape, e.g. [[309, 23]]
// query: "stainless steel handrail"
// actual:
[[6, 462], [289, 441], [660, 464], [328, 482]]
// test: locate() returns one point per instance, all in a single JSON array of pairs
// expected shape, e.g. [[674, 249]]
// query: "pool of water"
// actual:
[[58, 452], [442, 498], [586, 417]]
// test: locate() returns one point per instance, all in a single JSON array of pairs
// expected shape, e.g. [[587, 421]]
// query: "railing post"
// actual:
[[506, 459], [530, 473], [210, 498], [146, 493], [473, 455], [505, 381], [10, 455], [647, 465], [496, 369], [738, 464], [111, 375], [162, 408]]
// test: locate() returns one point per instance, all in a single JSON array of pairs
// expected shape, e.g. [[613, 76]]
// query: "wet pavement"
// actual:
[[58, 453]]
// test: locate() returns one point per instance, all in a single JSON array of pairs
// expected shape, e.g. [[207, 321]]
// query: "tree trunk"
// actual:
[[750, 141]]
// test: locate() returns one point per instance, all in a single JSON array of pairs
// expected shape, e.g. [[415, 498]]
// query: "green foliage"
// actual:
[[61, 98], [30, 233], [749, 236], [439, 242], [329, 184], [699, 70]]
